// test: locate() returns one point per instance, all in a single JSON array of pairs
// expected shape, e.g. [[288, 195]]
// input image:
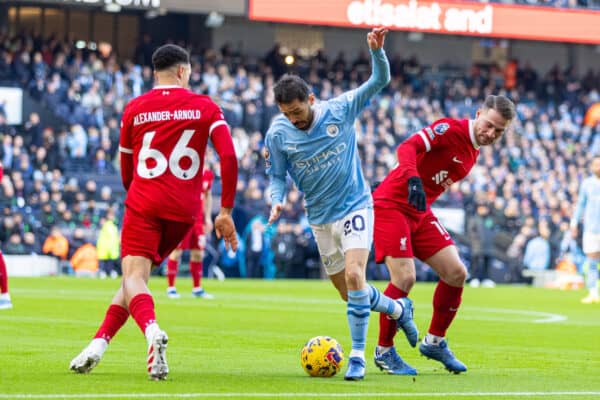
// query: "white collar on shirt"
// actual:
[[472, 134], [168, 87], [317, 110]]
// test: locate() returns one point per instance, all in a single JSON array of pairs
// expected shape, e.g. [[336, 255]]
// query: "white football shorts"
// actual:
[[354, 231]]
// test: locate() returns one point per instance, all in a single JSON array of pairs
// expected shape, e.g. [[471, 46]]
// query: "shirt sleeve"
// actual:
[[126, 150], [220, 137], [380, 77], [276, 167], [435, 136]]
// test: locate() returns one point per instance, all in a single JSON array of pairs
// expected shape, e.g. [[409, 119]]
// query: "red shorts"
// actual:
[[150, 237], [400, 234], [194, 239]]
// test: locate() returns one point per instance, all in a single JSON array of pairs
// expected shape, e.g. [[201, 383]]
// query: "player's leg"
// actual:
[[5, 302], [592, 263], [355, 232], [196, 258], [160, 239], [115, 318], [393, 245], [136, 272], [591, 248], [358, 310], [172, 268], [331, 257], [446, 301]]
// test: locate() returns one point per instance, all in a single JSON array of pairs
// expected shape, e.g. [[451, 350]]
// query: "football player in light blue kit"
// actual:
[[588, 207], [316, 144]]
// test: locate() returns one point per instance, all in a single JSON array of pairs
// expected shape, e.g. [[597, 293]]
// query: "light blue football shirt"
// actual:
[[588, 205], [323, 161]]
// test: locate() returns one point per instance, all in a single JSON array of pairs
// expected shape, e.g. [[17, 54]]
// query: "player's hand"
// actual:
[[376, 37], [416, 193], [225, 228], [275, 213]]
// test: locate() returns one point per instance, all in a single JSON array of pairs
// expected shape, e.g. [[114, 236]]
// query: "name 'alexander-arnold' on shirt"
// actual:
[[158, 116]]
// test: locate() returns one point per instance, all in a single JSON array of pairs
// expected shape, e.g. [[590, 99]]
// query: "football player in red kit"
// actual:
[[164, 134], [430, 161], [5, 302], [195, 242]]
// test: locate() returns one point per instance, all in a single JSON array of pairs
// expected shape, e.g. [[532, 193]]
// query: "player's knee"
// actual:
[[456, 276], [405, 281], [354, 276]]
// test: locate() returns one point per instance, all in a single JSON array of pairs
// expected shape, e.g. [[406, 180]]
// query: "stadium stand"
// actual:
[[61, 165]]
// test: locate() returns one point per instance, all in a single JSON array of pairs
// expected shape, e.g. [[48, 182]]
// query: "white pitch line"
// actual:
[[544, 317], [288, 395]]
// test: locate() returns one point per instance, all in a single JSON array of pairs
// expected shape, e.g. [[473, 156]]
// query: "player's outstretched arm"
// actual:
[[223, 144], [376, 37], [380, 75]]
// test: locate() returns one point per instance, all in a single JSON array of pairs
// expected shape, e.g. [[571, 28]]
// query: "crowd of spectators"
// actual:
[[522, 187]]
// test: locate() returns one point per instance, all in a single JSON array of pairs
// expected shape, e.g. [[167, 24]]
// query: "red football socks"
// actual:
[[115, 318], [196, 271], [141, 308], [446, 301], [3, 276], [172, 266], [387, 326]]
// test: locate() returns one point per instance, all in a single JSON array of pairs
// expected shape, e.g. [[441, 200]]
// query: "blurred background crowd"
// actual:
[[61, 193]]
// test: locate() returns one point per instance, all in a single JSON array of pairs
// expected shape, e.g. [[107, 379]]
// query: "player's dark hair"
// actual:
[[169, 55], [502, 104], [290, 88]]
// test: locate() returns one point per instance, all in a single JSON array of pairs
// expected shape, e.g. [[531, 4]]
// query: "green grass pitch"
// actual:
[[518, 342]]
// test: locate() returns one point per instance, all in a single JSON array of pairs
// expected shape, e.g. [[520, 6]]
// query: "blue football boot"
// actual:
[[443, 354], [392, 363], [406, 322], [356, 369]]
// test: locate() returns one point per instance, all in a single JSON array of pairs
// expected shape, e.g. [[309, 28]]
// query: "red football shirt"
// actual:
[[440, 154], [167, 130], [207, 181]]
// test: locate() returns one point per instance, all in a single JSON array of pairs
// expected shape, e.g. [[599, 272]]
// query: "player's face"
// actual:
[[489, 126], [299, 112], [595, 167]]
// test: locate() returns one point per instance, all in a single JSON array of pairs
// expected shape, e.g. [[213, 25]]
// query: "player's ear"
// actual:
[[311, 99]]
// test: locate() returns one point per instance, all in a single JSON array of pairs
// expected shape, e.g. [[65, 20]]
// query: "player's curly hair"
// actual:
[[169, 55], [289, 88], [502, 104]]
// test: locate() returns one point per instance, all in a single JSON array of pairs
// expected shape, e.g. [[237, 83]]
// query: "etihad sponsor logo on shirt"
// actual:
[[159, 116], [322, 160]]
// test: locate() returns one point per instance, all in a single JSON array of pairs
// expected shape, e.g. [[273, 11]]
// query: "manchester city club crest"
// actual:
[[332, 130], [441, 128]]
